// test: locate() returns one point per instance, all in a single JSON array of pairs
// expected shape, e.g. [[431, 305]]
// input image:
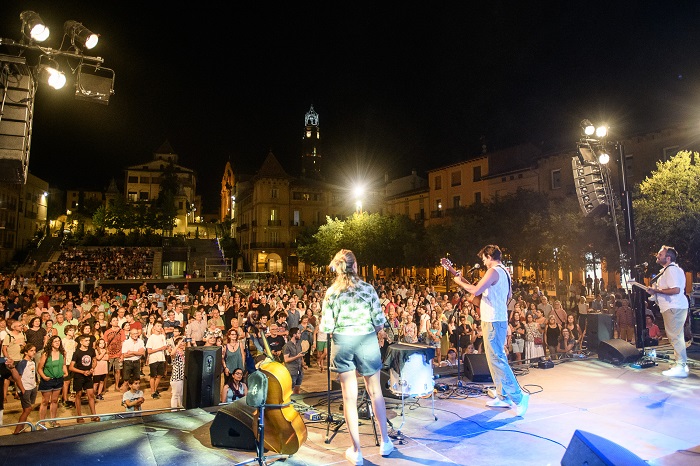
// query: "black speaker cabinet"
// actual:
[[592, 450], [476, 368], [617, 351], [233, 426], [599, 328], [202, 377]]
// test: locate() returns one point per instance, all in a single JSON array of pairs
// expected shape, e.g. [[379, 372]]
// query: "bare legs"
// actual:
[[348, 384]]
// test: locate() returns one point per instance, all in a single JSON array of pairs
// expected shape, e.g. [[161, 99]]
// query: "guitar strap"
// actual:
[[656, 277]]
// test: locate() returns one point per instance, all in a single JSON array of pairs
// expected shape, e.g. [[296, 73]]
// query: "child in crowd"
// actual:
[[27, 370], [133, 397]]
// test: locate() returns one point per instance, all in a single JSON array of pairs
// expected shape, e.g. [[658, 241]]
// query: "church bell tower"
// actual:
[[311, 154]]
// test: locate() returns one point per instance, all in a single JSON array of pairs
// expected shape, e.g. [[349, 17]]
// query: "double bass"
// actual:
[[285, 430]]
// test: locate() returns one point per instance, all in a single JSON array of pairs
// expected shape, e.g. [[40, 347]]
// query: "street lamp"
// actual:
[[359, 192]]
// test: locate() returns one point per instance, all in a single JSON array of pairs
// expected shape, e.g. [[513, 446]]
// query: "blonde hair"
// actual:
[[343, 264]]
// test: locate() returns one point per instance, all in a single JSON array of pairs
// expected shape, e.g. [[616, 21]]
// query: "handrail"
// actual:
[[41, 424], [26, 423]]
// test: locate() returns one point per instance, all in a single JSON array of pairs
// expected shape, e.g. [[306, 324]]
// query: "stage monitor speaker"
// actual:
[[476, 368], [599, 328], [202, 377], [592, 450], [617, 351], [233, 426]]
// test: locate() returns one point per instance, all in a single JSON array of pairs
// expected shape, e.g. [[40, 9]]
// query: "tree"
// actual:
[[667, 209]]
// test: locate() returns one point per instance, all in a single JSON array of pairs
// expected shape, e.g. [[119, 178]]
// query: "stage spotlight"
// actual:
[[601, 131], [80, 36], [94, 83], [603, 158], [588, 128], [34, 25]]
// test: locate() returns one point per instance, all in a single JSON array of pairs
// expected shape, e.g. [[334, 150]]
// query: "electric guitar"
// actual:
[[652, 297], [475, 300]]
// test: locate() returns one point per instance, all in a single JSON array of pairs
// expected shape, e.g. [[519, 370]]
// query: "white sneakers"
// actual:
[[385, 448], [678, 371], [499, 403], [354, 457], [520, 408]]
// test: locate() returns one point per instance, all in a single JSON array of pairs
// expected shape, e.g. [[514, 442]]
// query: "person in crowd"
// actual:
[[534, 348], [52, 371], [27, 370], [653, 333], [234, 387], [234, 355], [566, 343], [156, 348], [495, 291], [552, 332], [574, 331], [12, 347], [669, 290], [114, 336], [625, 320], [293, 355], [321, 345], [37, 336], [177, 378], [517, 335], [352, 315], [433, 337], [133, 350], [101, 368], [133, 397], [83, 366], [451, 359], [307, 335], [70, 345]]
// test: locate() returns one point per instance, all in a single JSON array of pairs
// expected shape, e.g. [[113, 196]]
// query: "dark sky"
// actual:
[[396, 87]]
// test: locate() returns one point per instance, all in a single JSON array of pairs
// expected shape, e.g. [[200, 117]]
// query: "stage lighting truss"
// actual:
[[93, 82]]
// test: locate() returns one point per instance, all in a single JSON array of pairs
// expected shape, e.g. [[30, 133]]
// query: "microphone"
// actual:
[[476, 266], [643, 265]]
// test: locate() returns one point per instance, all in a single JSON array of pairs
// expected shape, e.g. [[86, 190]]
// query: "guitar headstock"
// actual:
[[446, 263]]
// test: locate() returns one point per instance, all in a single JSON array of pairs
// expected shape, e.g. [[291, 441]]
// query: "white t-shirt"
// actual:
[[672, 277], [156, 341]]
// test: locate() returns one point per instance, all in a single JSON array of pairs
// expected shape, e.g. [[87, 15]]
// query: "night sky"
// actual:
[[395, 87]]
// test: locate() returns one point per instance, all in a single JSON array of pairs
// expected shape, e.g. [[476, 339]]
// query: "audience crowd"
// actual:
[[59, 332]]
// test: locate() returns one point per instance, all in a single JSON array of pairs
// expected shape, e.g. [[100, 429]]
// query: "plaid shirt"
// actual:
[[355, 311]]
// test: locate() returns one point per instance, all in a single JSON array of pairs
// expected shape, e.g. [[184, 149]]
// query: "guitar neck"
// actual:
[[266, 345]]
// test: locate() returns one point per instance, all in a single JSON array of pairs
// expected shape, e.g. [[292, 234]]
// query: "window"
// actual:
[[145, 179], [670, 152], [477, 174], [477, 198], [456, 178], [274, 193], [133, 179], [274, 236], [438, 182], [180, 205], [308, 134], [455, 202], [297, 218], [132, 196], [143, 196], [274, 214], [556, 178], [438, 204]]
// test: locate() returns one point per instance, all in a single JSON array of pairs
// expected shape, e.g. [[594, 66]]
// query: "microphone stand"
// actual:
[[329, 416]]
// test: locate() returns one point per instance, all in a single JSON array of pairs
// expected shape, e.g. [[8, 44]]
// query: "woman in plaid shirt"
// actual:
[[352, 315]]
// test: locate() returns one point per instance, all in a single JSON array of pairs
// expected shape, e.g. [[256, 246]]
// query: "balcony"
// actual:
[[243, 227], [299, 223], [274, 223], [437, 213]]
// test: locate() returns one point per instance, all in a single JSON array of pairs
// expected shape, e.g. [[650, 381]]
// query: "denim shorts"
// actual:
[[361, 352], [50, 385]]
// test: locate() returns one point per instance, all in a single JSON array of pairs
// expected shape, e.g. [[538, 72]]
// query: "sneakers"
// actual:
[[385, 448], [354, 457], [687, 369], [679, 371], [498, 403], [155, 395], [521, 408]]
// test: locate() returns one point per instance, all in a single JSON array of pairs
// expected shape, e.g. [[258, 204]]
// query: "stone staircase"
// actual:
[[205, 253]]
